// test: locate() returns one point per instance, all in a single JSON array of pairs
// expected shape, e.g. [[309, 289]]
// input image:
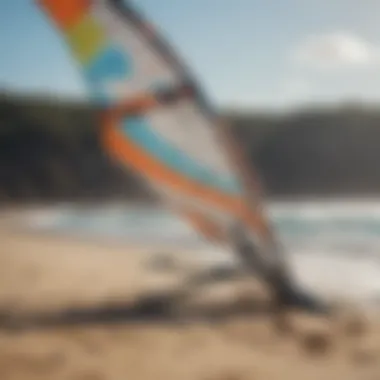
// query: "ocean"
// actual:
[[333, 246]]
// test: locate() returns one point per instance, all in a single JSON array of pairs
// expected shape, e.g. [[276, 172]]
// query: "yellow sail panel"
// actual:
[[86, 39]]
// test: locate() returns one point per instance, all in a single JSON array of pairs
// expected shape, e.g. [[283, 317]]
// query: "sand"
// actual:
[[40, 273]]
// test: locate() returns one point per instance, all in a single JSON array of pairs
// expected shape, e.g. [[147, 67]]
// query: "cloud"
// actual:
[[336, 50]]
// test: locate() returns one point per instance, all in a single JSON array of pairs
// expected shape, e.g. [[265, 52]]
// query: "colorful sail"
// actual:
[[156, 120]]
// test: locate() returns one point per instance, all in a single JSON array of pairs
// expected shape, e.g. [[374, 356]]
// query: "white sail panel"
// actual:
[[174, 145]]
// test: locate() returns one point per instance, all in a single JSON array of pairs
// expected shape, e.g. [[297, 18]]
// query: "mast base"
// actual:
[[286, 295]]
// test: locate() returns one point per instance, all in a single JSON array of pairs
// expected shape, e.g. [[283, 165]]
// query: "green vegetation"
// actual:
[[50, 151]]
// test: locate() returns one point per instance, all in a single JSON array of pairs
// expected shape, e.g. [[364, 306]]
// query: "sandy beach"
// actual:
[[40, 274]]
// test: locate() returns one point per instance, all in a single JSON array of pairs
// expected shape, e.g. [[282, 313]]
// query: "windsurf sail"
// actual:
[[157, 121]]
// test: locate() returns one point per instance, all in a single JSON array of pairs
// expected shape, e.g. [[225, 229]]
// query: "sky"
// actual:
[[246, 53]]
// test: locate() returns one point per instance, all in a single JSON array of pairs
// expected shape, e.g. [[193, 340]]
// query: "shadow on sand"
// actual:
[[164, 308], [169, 307]]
